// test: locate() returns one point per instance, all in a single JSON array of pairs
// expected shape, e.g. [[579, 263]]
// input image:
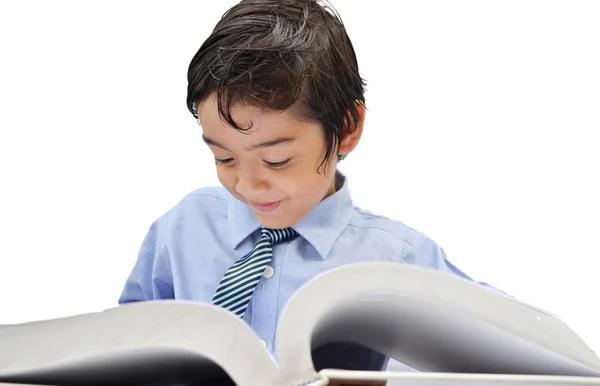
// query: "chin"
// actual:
[[272, 223]]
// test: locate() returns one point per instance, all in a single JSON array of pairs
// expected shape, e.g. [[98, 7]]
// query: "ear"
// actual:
[[352, 132]]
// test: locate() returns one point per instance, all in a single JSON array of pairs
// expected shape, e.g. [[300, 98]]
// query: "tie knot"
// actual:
[[278, 235]]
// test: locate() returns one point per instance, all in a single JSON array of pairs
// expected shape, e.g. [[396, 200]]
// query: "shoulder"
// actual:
[[206, 197], [414, 247], [202, 204], [378, 224]]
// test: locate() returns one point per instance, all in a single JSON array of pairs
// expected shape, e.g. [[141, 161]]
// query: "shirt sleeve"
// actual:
[[150, 278], [420, 250]]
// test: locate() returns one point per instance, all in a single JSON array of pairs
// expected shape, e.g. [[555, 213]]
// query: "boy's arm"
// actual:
[[420, 250], [150, 278]]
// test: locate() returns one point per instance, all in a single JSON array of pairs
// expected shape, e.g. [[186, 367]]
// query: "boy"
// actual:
[[277, 92]]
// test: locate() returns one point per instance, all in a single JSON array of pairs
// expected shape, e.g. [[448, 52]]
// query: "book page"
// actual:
[[428, 320], [167, 342]]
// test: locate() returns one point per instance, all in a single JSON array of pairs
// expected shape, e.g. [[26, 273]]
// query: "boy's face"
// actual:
[[274, 167]]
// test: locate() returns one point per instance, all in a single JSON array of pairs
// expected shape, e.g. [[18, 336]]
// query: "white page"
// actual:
[[429, 320], [159, 340]]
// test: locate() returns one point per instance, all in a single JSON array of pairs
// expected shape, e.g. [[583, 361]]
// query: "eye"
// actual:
[[278, 165], [223, 161]]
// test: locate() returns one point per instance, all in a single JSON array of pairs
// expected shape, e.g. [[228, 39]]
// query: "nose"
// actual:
[[250, 183]]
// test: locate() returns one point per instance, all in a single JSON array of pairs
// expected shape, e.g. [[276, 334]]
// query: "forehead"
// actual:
[[263, 123]]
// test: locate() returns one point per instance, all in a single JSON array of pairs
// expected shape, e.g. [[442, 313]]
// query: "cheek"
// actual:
[[307, 184], [226, 177]]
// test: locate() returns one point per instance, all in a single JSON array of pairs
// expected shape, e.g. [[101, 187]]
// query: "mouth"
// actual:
[[265, 207]]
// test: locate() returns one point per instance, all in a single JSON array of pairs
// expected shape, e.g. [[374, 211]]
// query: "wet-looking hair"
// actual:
[[278, 54]]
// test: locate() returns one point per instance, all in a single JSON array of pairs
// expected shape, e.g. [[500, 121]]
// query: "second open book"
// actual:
[[455, 332]]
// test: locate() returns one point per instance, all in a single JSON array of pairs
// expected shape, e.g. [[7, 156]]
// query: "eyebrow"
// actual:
[[274, 142]]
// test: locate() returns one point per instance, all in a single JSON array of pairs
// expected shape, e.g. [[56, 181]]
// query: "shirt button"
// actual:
[[263, 343], [269, 272]]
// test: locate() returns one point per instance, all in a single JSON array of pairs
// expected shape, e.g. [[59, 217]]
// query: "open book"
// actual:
[[453, 331]]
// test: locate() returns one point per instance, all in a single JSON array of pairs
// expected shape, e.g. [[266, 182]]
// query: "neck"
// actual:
[[336, 184]]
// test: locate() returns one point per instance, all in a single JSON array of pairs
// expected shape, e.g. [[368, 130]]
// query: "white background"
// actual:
[[481, 133]]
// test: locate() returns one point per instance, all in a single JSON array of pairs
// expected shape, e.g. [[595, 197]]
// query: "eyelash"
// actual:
[[278, 165], [223, 161], [272, 165]]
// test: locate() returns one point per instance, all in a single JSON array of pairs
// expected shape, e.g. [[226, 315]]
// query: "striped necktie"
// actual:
[[240, 280]]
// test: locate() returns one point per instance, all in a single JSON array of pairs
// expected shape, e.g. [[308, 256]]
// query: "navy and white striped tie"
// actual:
[[240, 280]]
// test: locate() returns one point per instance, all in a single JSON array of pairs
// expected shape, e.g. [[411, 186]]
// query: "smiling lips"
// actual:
[[267, 207]]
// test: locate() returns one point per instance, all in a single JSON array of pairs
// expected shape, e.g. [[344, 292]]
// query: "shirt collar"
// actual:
[[321, 227]]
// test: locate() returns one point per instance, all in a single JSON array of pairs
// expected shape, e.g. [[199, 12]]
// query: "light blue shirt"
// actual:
[[188, 249]]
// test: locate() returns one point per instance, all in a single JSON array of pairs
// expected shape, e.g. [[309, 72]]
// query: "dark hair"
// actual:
[[276, 54]]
